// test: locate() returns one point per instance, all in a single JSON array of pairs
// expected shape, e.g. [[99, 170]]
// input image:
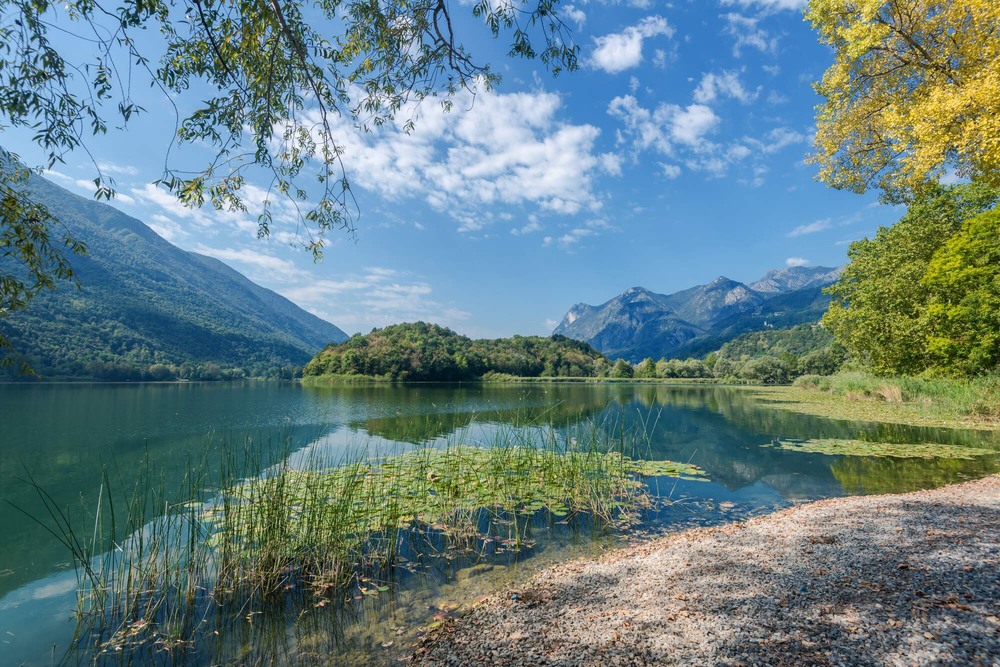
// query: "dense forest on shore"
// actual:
[[428, 352]]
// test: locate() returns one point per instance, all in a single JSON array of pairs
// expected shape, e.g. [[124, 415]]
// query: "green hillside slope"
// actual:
[[149, 310]]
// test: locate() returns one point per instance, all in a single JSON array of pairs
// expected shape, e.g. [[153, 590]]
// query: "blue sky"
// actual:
[[674, 155]]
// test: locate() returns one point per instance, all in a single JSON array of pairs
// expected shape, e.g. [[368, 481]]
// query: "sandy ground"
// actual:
[[910, 579]]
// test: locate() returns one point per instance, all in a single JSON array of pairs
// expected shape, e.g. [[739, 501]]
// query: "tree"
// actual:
[[963, 278], [767, 370], [26, 245], [272, 77], [622, 370], [914, 90], [878, 307]]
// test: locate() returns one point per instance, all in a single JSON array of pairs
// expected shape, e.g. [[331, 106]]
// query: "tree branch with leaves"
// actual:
[[914, 91], [278, 74]]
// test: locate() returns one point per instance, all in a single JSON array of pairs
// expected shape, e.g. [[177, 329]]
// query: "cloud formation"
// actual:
[[499, 150], [620, 51], [726, 84], [377, 297], [746, 32], [811, 228], [769, 5]]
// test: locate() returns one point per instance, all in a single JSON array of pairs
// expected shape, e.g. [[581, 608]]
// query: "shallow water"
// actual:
[[63, 436]]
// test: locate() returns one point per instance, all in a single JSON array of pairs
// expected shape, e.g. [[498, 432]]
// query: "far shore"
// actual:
[[867, 580]]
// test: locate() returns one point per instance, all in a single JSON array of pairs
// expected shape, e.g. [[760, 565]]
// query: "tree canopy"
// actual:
[[963, 312], [880, 306], [914, 91], [428, 352]]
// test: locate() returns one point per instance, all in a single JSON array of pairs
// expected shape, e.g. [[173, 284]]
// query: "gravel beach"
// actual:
[[911, 579]]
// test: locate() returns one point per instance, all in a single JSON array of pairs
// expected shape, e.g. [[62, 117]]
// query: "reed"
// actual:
[[166, 569]]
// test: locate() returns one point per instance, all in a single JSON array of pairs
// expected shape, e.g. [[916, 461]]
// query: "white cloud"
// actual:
[[660, 58], [166, 227], [774, 97], [664, 127], [499, 150], [691, 124], [769, 5], [811, 228], [258, 264], [777, 139], [113, 168], [530, 227], [620, 51], [726, 84], [575, 236], [575, 15], [376, 297], [796, 261], [746, 32], [671, 171], [611, 163], [84, 184], [152, 195]]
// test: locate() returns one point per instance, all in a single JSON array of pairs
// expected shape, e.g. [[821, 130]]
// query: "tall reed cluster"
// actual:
[[164, 570]]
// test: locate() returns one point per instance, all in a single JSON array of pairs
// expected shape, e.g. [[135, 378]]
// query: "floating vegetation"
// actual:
[[835, 447], [177, 570]]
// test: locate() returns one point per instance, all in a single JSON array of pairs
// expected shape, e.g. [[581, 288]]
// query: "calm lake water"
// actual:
[[64, 436]]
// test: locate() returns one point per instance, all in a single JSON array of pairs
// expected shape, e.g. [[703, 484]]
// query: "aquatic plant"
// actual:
[[836, 447]]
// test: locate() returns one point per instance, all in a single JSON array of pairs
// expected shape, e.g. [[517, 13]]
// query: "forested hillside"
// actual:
[[428, 352], [149, 310]]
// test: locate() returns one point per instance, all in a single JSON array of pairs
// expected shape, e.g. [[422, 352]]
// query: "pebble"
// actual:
[[817, 584]]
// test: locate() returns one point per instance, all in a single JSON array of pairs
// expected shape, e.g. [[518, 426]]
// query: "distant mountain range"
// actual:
[[639, 323], [145, 302]]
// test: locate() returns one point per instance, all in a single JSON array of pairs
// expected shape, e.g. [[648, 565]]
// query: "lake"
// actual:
[[66, 437]]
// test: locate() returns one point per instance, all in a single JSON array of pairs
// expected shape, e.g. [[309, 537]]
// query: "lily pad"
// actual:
[[836, 447]]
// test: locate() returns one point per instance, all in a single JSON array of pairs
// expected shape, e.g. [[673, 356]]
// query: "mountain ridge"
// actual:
[[640, 323]]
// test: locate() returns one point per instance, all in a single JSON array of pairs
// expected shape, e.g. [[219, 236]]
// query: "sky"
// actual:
[[674, 155]]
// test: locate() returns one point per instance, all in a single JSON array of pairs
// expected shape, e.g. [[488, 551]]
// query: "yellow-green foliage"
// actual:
[[964, 310], [914, 89], [879, 308]]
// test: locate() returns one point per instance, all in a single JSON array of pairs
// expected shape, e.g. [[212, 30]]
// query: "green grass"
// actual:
[[902, 400]]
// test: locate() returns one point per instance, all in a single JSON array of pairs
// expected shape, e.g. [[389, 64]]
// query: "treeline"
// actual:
[[125, 372], [428, 352], [86, 337], [774, 356]]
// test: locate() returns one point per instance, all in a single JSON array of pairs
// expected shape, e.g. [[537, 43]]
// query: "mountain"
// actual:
[[639, 323], [144, 302], [779, 281]]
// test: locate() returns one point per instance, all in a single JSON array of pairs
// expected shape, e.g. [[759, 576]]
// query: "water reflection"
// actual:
[[64, 436]]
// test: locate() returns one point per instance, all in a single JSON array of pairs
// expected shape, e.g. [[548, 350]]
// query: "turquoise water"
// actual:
[[65, 436]]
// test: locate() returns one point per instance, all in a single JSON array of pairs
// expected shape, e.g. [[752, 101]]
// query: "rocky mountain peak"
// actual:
[[639, 323]]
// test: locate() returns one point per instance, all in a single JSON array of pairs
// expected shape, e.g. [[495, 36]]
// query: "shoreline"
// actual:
[[881, 580]]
